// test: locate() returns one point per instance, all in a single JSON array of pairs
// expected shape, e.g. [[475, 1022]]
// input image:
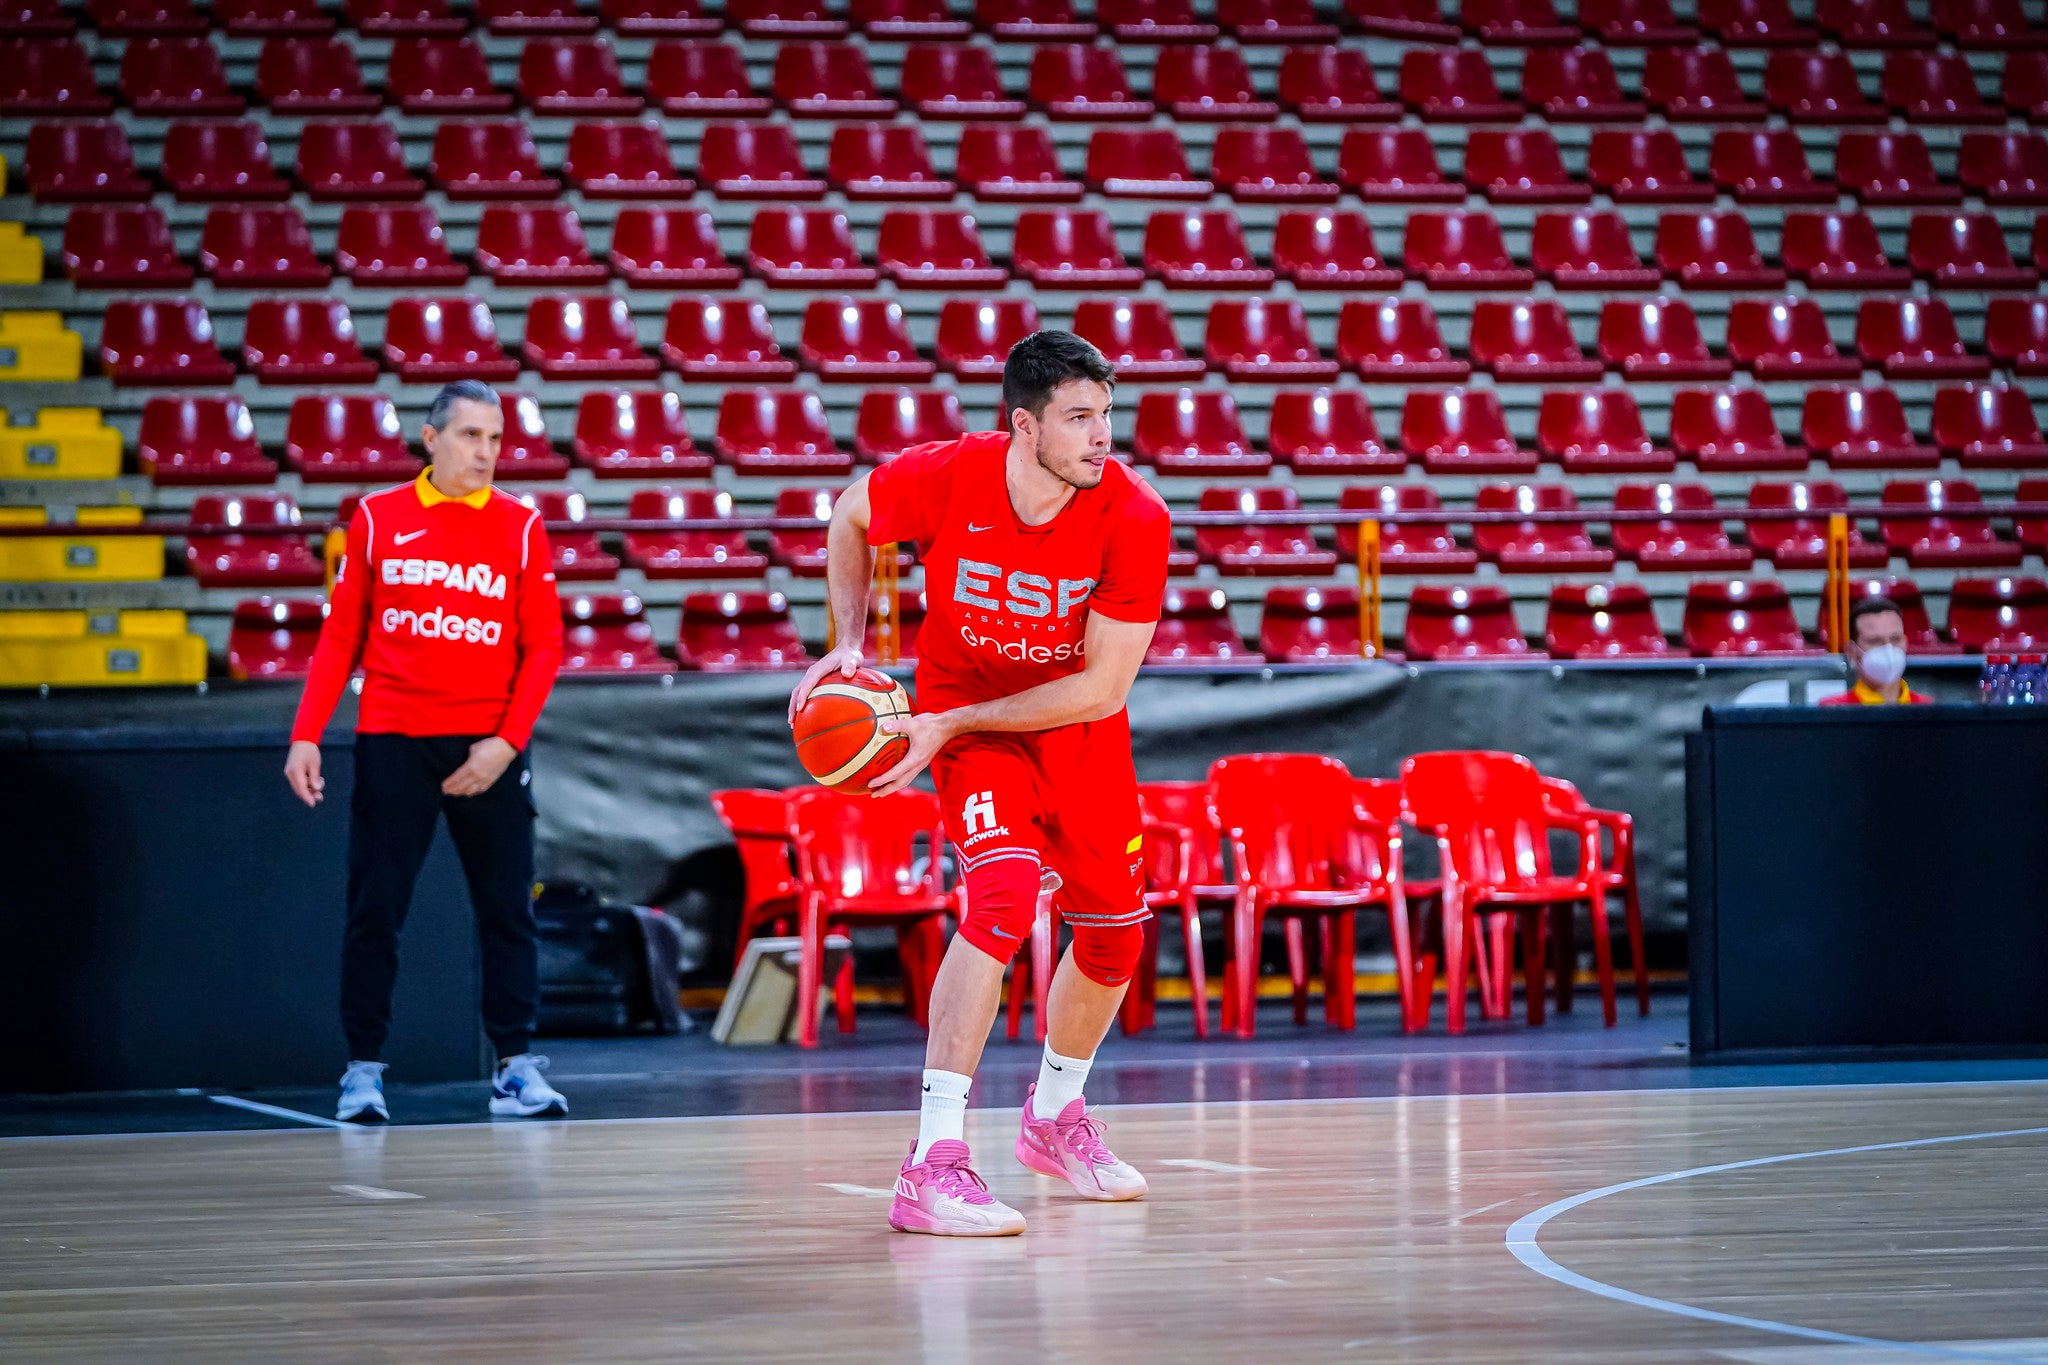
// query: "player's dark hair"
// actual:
[[460, 391], [1042, 362], [1871, 606]]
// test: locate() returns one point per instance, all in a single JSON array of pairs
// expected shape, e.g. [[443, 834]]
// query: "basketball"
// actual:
[[839, 737]]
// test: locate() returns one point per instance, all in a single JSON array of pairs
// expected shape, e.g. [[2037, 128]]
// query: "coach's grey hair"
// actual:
[[462, 390]]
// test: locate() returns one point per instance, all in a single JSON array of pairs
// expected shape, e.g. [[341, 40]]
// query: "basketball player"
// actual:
[[1045, 563]]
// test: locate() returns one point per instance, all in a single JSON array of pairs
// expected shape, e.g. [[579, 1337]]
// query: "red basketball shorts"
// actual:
[[1064, 799]]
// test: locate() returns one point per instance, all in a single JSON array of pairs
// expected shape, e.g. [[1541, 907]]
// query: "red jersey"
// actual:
[[450, 606], [1006, 604]]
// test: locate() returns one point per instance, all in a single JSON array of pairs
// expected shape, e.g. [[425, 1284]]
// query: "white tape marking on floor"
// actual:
[[863, 1191], [373, 1192], [1195, 1163], [237, 1102]]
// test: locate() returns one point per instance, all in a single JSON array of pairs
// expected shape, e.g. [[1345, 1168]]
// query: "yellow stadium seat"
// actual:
[[76, 625], [21, 256], [36, 346], [64, 443], [102, 661], [66, 557]]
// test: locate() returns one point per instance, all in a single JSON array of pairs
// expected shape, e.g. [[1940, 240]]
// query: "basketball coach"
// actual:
[[446, 599]]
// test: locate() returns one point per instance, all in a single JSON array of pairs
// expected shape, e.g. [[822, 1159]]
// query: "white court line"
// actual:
[[863, 1191], [254, 1107], [373, 1192], [1521, 1242], [1220, 1167]]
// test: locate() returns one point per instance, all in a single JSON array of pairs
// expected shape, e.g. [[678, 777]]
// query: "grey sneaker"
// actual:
[[520, 1093], [362, 1094]]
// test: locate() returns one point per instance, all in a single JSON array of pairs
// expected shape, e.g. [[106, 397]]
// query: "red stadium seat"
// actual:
[[1638, 166], [1268, 165], [890, 421], [1987, 25], [2016, 334], [1864, 24], [527, 452], [1137, 337], [2040, 242], [2025, 86], [176, 76], [437, 340], [1742, 618], [1409, 547], [1328, 431], [669, 248], [956, 81], [443, 76], [755, 161], [1998, 615], [2004, 168], [1656, 338], [1838, 251], [849, 340], [1333, 85], [1012, 162], [1475, 621], [1195, 628], [1755, 23], [1890, 168], [193, 439], [42, 76], [1915, 338], [1263, 340], [693, 79], [1766, 168], [802, 552], [2032, 530], [590, 337], [784, 19], [607, 633], [1142, 163], [689, 554], [490, 160], [1420, 21], [312, 76], [1194, 431], [1862, 429], [975, 335], [1597, 431], [723, 339], [1635, 23], [806, 248], [1802, 542], [1262, 549], [527, 244], [1330, 249], [510, 18], [622, 161], [738, 632], [1818, 87], [778, 432], [579, 556], [273, 639], [160, 341], [1310, 625], [394, 246], [259, 248], [1935, 87], [657, 18], [1397, 339], [1527, 341], [144, 18], [1453, 85], [1588, 251], [1989, 426], [1461, 431], [1515, 23], [361, 160], [35, 19], [1576, 85], [1208, 84], [637, 434], [1070, 249], [206, 162], [346, 438], [575, 76], [908, 20], [304, 341], [1153, 21], [403, 18], [265, 18], [1201, 249], [1786, 338], [883, 161], [122, 246], [1394, 165], [1656, 546], [935, 249], [1602, 621], [1520, 166], [828, 80], [1033, 21], [1697, 85], [1730, 431], [1947, 535], [1461, 251], [1965, 251], [250, 561], [1546, 547], [1277, 22]]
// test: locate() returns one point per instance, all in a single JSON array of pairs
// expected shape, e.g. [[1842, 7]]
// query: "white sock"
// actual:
[[944, 1111], [1059, 1083]]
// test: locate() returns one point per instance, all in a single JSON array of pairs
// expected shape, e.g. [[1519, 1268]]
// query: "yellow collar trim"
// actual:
[[1870, 696], [431, 496]]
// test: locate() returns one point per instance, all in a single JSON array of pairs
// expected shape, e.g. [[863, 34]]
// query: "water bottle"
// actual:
[[1993, 683], [2028, 686]]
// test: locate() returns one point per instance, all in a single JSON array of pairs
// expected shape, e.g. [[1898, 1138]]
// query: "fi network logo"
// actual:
[[979, 812]]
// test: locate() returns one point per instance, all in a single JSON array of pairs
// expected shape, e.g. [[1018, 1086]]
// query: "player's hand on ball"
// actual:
[[844, 661], [927, 735], [302, 770], [487, 761]]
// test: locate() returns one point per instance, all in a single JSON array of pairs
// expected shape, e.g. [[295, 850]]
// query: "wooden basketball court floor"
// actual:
[[1830, 1225]]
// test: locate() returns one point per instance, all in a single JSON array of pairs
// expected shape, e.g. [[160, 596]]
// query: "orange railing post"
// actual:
[[1834, 598], [1371, 645]]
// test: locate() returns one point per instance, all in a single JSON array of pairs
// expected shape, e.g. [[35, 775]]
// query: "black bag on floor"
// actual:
[[604, 967]]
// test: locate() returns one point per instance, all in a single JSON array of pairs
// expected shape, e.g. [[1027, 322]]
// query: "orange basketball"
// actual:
[[839, 737]]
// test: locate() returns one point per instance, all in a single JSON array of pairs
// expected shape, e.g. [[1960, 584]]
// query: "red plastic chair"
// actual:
[[1328, 431], [176, 76], [1263, 340], [723, 338], [1935, 87], [1643, 166], [759, 821], [847, 339], [1989, 426], [1862, 429], [1551, 547], [656, 18], [351, 161], [805, 248], [1310, 626], [36, 19], [191, 439], [1528, 342], [1713, 251], [607, 635], [575, 76], [589, 337], [1268, 165], [347, 438], [699, 79], [1582, 250], [1729, 431], [1078, 81], [1007, 162], [1785, 338], [2025, 86], [402, 18], [1142, 163], [1921, 636], [1598, 431], [1166, 859], [935, 249], [1409, 547], [239, 561], [1195, 628], [1890, 168], [1262, 549], [1742, 618], [443, 76], [1965, 251], [637, 434], [1461, 251], [890, 421], [394, 246], [2016, 334], [519, 17], [1068, 248], [1208, 84], [2032, 531], [1461, 431], [1471, 622], [259, 248], [669, 248], [622, 161], [1818, 87], [1515, 23], [160, 341], [1864, 24], [1394, 165], [1602, 621], [1453, 85], [2040, 242], [1673, 545], [1802, 542], [1697, 85], [1395, 338], [1304, 848], [1033, 21], [1990, 25], [738, 632], [522, 244], [579, 556], [975, 335], [1576, 85], [689, 554], [1570, 810], [1137, 337], [778, 432], [956, 81], [783, 19], [1333, 85], [121, 246], [1519, 166], [755, 161], [490, 160], [44, 76], [883, 161], [828, 80], [1915, 338], [1838, 251], [1330, 249], [1153, 21], [273, 639], [528, 452], [1195, 431], [312, 76], [1635, 23], [1276, 22], [144, 18], [1419, 21], [304, 341], [1657, 339], [2004, 168], [1998, 615], [1766, 168], [206, 162], [1755, 23]]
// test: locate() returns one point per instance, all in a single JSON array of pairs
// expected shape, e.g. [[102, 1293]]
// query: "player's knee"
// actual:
[[1002, 900], [1108, 954]]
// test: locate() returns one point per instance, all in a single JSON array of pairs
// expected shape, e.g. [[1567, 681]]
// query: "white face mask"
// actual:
[[1883, 665]]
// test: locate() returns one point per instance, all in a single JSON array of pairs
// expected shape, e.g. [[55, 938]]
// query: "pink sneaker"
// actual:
[[943, 1196], [1070, 1148]]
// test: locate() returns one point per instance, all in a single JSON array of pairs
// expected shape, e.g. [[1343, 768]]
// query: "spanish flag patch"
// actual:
[[1135, 844]]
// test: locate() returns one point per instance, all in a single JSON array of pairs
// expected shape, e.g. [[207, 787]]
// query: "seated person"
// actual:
[[1877, 651]]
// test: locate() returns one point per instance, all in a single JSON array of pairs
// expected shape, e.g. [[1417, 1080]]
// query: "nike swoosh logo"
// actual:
[[972, 527], [410, 535], [1000, 933]]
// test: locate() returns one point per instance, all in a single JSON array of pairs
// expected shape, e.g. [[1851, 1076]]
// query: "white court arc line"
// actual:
[[1521, 1243], [279, 1112]]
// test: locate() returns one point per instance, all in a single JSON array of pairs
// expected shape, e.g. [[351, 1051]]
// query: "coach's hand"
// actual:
[[844, 660], [487, 761], [302, 770], [927, 734]]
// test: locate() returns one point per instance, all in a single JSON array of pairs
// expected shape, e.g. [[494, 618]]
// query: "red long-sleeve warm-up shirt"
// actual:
[[449, 605]]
